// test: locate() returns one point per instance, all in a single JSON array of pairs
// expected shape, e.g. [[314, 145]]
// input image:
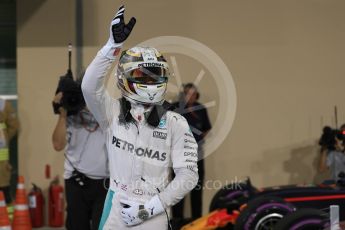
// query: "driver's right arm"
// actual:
[[96, 97]]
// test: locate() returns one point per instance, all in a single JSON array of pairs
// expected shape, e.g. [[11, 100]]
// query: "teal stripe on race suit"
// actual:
[[106, 209]]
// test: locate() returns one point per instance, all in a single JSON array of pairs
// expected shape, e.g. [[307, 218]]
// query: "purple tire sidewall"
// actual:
[[233, 194], [265, 206], [304, 222], [247, 226]]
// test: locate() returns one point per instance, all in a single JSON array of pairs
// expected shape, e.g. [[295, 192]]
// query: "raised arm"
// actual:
[[95, 95], [60, 130]]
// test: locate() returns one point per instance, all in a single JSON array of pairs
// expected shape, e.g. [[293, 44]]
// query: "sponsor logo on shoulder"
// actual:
[[192, 154], [160, 135], [189, 147], [189, 141], [192, 167], [191, 161], [189, 135]]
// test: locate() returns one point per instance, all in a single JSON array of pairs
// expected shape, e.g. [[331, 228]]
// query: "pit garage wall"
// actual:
[[286, 59]]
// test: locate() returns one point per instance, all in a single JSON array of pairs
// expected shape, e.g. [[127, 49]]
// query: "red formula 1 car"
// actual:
[[249, 208]]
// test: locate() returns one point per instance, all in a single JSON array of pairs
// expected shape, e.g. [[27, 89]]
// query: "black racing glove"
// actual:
[[119, 32]]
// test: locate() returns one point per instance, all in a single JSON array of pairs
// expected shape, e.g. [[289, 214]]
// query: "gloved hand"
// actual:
[[119, 32], [130, 210]]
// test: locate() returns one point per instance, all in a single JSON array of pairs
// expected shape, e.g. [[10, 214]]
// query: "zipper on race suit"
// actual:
[[137, 162], [136, 125]]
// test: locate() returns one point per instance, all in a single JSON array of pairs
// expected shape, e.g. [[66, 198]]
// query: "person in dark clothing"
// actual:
[[198, 120]]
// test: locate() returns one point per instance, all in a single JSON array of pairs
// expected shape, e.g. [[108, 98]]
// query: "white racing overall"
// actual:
[[140, 155]]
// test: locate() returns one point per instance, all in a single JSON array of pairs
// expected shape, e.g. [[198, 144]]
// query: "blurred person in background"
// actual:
[[8, 129], [199, 122], [86, 165], [332, 152]]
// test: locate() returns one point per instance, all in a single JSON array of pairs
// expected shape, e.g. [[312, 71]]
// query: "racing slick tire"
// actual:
[[304, 219], [263, 213]]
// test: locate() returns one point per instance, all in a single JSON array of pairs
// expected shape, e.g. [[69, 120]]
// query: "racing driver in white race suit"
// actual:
[[144, 139]]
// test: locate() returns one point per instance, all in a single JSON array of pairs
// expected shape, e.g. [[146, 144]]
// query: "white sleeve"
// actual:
[[96, 97], [184, 155]]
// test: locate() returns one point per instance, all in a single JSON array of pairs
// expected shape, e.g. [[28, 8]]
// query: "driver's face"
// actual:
[[137, 73], [144, 76]]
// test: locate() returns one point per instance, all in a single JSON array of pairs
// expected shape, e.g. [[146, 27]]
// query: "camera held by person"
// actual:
[[330, 137], [72, 100], [332, 152]]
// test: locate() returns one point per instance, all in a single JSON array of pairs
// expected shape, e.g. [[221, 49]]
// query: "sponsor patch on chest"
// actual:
[[139, 151], [160, 135]]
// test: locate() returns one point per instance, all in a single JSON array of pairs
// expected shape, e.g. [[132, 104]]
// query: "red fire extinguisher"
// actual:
[[36, 206], [56, 204]]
